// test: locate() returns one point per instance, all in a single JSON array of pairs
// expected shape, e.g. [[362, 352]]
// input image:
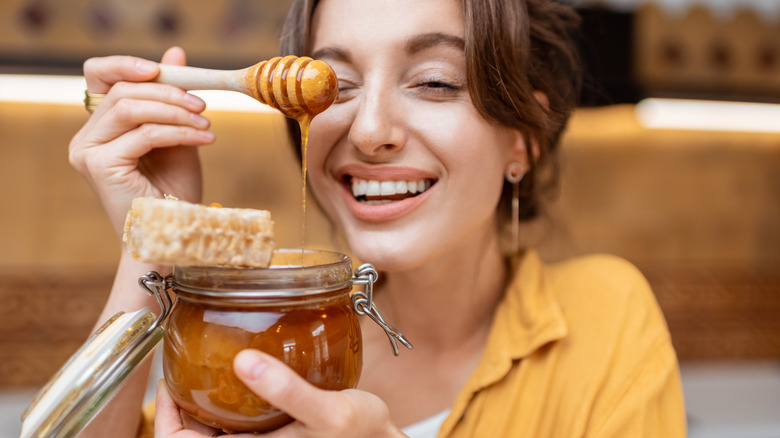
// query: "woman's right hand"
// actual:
[[139, 141]]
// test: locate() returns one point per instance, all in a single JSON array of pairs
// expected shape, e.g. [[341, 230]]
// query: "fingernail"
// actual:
[[207, 136], [199, 120], [193, 102], [146, 66], [250, 364]]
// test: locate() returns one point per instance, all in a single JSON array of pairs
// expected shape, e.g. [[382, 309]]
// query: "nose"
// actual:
[[377, 129]]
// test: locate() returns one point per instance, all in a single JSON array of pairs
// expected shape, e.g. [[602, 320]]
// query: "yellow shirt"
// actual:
[[577, 349]]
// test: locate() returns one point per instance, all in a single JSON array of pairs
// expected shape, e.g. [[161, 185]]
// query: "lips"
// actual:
[[384, 193], [374, 191]]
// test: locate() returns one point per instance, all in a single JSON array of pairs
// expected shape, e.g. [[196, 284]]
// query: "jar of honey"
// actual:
[[300, 310], [303, 310]]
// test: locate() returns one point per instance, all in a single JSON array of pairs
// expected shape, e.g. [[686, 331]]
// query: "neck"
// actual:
[[449, 302], [445, 309]]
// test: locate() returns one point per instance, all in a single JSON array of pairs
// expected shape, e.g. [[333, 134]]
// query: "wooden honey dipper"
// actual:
[[299, 87]]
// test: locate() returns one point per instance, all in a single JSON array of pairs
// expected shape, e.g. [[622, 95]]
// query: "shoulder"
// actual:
[[602, 300], [609, 273], [600, 284], [614, 361], [608, 307], [618, 337]]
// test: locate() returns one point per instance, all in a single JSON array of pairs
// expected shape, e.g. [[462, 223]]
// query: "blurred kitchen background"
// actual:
[[672, 161]]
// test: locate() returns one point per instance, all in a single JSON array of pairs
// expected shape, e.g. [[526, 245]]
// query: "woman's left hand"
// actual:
[[317, 412]]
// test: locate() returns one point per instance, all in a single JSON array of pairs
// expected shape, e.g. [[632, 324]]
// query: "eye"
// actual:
[[434, 84], [437, 90], [347, 90]]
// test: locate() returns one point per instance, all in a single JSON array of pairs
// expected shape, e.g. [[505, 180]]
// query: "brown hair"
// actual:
[[515, 49]]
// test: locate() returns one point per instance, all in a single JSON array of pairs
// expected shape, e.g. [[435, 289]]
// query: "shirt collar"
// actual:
[[527, 318]]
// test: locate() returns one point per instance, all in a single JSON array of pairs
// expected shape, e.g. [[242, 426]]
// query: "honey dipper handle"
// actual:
[[194, 78]]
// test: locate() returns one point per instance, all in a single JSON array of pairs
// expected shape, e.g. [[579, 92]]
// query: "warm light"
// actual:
[[700, 115], [69, 90]]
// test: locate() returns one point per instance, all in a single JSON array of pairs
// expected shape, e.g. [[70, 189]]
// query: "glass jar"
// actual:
[[300, 310], [303, 310]]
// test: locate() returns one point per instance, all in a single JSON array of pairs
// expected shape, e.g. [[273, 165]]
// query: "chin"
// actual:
[[387, 262], [389, 252]]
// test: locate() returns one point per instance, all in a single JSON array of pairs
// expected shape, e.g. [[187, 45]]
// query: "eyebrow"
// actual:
[[332, 53], [413, 45], [424, 41]]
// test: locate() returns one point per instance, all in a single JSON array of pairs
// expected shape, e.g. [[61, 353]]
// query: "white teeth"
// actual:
[[372, 188], [387, 188], [362, 187], [359, 187]]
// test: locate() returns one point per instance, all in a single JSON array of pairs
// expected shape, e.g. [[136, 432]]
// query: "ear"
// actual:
[[520, 150]]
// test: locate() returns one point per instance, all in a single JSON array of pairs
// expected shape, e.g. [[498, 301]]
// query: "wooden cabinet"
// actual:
[[51, 33], [702, 52]]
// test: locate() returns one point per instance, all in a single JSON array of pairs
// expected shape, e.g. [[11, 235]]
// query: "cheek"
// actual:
[[474, 154], [328, 127], [467, 145]]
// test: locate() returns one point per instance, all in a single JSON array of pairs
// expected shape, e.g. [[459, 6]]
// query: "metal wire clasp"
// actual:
[[363, 302], [157, 286]]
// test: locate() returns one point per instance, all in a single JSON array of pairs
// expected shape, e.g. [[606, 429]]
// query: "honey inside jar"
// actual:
[[302, 315]]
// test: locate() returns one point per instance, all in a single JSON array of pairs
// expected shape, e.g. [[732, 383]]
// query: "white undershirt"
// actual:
[[427, 428]]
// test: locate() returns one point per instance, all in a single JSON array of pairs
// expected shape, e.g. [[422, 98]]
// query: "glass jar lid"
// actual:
[[88, 380], [67, 403]]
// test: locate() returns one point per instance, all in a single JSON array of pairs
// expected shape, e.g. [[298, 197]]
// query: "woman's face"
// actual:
[[402, 162]]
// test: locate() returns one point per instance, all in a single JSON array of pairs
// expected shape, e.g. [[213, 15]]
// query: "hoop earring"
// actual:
[[514, 174]]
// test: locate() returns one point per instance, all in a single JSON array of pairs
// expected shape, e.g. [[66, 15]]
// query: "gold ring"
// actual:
[[92, 100]]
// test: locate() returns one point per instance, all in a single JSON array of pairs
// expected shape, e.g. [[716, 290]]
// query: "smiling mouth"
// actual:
[[373, 192]]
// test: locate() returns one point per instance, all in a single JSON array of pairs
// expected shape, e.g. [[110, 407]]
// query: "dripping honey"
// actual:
[[304, 118], [304, 122], [303, 113]]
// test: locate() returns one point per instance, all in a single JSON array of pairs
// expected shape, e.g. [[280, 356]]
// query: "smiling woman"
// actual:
[[443, 133]]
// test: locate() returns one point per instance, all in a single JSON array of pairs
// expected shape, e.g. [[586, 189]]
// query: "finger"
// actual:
[[278, 384], [128, 148], [103, 72], [129, 113], [170, 420], [167, 418], [152, 92], [131, 146], [174, 56], [145, 138]]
